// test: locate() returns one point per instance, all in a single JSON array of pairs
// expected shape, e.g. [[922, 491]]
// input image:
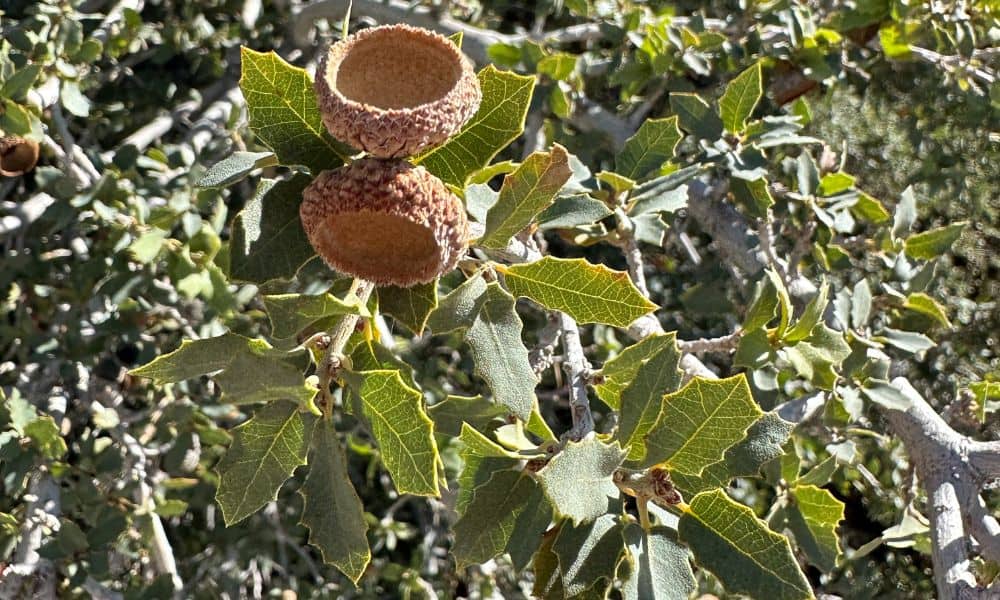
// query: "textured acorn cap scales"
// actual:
[[17, 155], [396, 90], [385, 221]]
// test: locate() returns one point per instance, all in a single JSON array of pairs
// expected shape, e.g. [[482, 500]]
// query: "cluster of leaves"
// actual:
[[760, 463]]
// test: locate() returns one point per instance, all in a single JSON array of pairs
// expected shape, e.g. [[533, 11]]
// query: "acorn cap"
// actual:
[[17, 155], [396, 90], [385, 221]]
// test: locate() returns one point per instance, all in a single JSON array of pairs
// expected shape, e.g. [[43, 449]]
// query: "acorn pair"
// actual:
[[392, 91]]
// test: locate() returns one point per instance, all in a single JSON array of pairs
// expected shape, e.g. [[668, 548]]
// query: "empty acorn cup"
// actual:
[[385, 221], [396, 90]]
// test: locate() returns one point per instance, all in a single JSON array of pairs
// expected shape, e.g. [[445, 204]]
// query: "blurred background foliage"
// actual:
[[110, 257]]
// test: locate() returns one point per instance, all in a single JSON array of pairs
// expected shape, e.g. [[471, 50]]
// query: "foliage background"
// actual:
[[104, 270]]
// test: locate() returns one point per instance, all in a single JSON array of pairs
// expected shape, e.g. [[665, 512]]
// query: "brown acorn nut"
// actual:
[[396, 90], [17, 156], [385, 221]]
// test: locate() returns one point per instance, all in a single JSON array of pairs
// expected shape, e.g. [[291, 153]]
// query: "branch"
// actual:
[[578, 370], [942, 459], [338, 337]]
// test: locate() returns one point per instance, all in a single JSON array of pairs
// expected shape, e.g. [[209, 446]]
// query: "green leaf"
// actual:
[[833, 183], [763, 443], [588, 293], [887, 395], [451, 413], [545, 568], [754, 194], [333, 511], [616, 182], [498, 122], [870, 208], [699, 422], [499, 354], [861, 304], [669, 201], [284, 112], [18, 84], [813, 518], [696, 116], [740, 98], [410, 306], [649, 148], [589, 555], [573, 211], [525, 193], [458, 310], [815, 357], [268, 241], [14, 118], [265, 452], [404, 432], [291, 313], [73, 99], [578, 480], [763, 307], [910, 341], [642, 400], [905, 215], [235, 168], [147, 246], [933, 243], [509, 513], [619, 372], [983, 393], [746, 556], [754, 350], [810, 316], [45, 435], [925, 305], [557, 66], [248, 370], [659, 565]]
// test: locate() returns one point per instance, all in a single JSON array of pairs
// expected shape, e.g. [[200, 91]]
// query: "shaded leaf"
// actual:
[[747, 557], [578, 480], [499, 354], [451, 413], [589, 555], [458, 310], [588, 293], [333, 511], [659, 567], [696, 116], [508, 514], [411, 306], [268, 241], [573, 211], [235, 168]]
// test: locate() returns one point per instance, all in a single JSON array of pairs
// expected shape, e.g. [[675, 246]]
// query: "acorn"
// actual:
[[396, 90], [17, 155], [385, 221]]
